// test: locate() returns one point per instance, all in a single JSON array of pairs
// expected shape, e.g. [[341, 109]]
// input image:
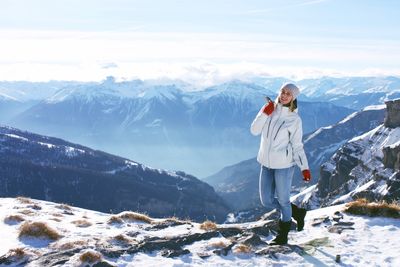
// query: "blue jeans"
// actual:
[[274, 186]]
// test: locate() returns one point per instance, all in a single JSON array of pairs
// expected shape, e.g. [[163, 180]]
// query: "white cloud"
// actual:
[[197, 58]]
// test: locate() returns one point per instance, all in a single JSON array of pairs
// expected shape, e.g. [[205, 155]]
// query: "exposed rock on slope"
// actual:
[[366, 166]]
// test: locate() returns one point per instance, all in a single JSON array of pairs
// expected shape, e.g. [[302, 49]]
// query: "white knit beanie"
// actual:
[[292, 88]]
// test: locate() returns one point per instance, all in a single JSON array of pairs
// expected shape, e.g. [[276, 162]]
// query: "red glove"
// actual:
[[306, 175], [269, 108]]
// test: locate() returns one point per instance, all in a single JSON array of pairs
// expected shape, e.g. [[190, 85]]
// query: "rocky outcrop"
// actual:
[[330, 182], [391, 157], [323, 143], [391, 154], [392, 119], [367, 166]]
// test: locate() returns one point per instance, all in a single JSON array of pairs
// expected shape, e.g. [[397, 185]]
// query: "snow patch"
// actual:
[[131, 163], [17, 137], [304, 196], [352, 115], [46, 144], [348, 197], [375, 107], [73, 152]]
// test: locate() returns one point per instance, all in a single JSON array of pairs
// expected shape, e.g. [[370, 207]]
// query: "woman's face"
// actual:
[[285, 96]]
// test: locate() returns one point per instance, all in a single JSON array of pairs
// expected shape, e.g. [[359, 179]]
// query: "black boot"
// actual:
[[298, 215], [281, 237]]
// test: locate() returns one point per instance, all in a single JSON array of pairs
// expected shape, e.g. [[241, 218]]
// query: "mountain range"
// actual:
[[352, 92], [201, 131], [174, 125], [52, 169]]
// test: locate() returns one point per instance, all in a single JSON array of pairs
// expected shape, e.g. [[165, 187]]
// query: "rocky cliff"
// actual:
[[366, 166], [391, 154], [392, 119]]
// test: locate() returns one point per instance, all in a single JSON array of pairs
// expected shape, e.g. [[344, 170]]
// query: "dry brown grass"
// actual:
[[17, 253], [25, 200], [57, 215], [219, 244], [242, 248], [13, 219], [38, 229], [363, 207], [177, 220], [82, 223], [90, 256], [121, 238], [73, 244], [172, 219], [34, 206], [134, 216], [16, 257], [208, 226], [27, 212], [115, 220], [64, 207]]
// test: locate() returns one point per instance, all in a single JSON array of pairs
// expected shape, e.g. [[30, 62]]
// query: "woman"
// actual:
[[281, 148]]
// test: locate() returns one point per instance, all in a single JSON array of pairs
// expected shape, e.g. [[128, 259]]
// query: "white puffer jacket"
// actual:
[[281, 139]]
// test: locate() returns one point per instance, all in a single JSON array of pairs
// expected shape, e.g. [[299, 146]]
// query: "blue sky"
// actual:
[[198, 41]]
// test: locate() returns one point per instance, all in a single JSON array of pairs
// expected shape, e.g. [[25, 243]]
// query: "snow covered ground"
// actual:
[[373, 242]]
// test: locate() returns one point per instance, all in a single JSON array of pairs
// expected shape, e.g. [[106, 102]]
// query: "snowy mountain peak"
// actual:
[[238, 87], [237, 91], [86, 93], [331, 87], [160, 92]]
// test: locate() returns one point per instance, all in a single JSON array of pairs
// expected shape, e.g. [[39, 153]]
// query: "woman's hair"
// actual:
[[292, 105]]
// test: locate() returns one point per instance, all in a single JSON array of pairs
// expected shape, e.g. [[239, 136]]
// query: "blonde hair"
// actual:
[[292, 104]]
